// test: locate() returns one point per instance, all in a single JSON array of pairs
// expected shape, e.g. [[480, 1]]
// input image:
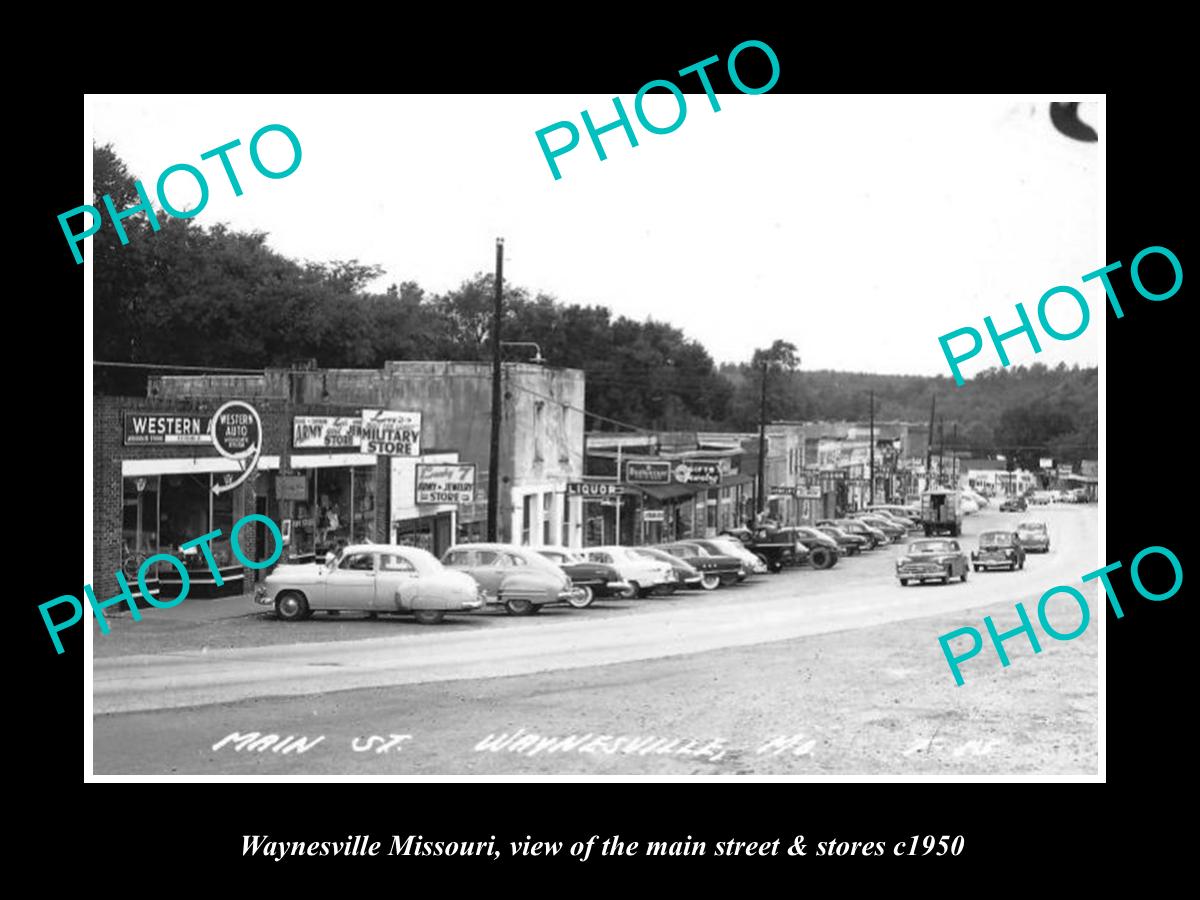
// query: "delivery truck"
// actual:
[[941, 512]]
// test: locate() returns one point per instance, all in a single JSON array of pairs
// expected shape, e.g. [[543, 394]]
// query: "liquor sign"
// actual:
[[697, 473], [656, 471], [445, 483], [653, 515], [165, 428], [594, 488], [326, 431], [391, 433]]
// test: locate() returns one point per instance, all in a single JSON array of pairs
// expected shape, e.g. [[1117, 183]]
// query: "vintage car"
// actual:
[[593, 579], [849, 544], [936, 559], [373, 578], [998, 549], [686, 575], [895, 531], [821, 551], [719, 567], [729, 546], [1034, 536], [1014, 504], [873, 536], [776, 547], [644, 575], [517, 578]]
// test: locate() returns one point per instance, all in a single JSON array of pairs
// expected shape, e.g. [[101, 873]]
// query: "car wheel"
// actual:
[[520, 607], [1012, 567], [1021, 565], [292, 606], [945, 579], [903, 582], [710, 582], [429, 616], [821, 558], [586, 600], [763, 559], [635, 590], [976, 568]]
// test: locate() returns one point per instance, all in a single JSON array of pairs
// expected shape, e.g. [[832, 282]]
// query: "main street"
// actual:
[[839, 668]]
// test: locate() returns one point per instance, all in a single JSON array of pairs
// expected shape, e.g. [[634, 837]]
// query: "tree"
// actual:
[[781, 356]]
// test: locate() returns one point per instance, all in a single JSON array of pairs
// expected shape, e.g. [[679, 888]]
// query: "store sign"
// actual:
[[236, 433], [326, 431], [648, 472], [789, 490], [1064, 471], [391, 433], [1046, 462], [445, 483], [697, 473], [653, 515], [291, 487], [165, 428], [594, 489]]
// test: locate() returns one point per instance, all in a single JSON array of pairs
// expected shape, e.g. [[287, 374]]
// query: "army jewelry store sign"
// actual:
[[451, 483], [384, 432]]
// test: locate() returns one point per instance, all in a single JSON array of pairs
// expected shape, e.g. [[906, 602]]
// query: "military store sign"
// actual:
[[593, 489], [326, 431], [391, 433], [697, 473], [648, 471], [165, 428], [445, 483]]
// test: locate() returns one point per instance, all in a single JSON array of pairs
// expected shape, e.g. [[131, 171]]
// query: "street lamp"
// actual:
[[537, 356]]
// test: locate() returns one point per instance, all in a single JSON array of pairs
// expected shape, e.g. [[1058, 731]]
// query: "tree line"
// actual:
[[217, 297]]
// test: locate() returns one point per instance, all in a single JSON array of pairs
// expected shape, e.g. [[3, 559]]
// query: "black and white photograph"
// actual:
[[703, 431]]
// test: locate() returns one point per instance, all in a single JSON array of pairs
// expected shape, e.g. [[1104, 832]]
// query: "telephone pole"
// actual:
[[941, 450], [872, 492], [493, 500], [762, 445], [929, 444]]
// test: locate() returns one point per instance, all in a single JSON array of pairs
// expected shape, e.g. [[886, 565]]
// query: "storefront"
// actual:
[[418, 480], [338, 504]]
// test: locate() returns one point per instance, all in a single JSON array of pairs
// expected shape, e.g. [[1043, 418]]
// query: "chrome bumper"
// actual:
[[261, 596]]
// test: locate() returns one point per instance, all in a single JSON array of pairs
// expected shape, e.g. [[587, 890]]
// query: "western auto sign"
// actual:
[[391, 433], [656, 471], [594, 489], [445, 483], [697, 473], [327, 431], [236, 433], [165, 428]]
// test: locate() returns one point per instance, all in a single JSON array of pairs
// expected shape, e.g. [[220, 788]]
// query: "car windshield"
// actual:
[[1031, 526], [996, 538], [932, 547]]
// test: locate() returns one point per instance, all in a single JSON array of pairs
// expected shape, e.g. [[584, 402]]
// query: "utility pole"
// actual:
[[954, 461], [941, 450], [761, 503], [929, 444], [872, 493], [493, 509]]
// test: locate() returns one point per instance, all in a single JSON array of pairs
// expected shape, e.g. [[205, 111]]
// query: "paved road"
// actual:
[[858, 593]]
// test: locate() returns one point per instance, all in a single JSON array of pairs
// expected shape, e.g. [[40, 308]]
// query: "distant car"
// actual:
[[518, 578], [724, 568], [644, 574], [893, 529], [874, 537], [849, 544], [998, 549], [1014, 504], [731, 546], [1034, 536], [969, 506], [373, 578], [892, 513], [686, 575], [1041, 498], [932, 559], [593, 579], [775, 547]]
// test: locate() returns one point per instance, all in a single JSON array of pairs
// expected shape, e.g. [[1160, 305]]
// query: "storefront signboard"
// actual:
[[291, 487], [236, 433], [391, 433], [653, 515], [165, 428], [445, 483], [648, 471], [697, 473], [326, 431], [594, 488]]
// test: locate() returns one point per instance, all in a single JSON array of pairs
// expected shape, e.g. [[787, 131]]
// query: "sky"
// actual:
[[859, 228]]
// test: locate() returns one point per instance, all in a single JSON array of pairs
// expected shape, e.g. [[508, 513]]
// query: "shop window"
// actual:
[[363, 490], [183, 510], [222, 518], [139, 522], [333, 508], [547, 516], [566, 522], [527, 516]]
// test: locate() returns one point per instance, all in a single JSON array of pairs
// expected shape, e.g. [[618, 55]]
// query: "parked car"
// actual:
[[938, 559], [906, 518], [593, 579], [849, 544], [518, 578], [941, 512], [1034, 536], [775, 547], [998, 549], [373, 578], [730, 546], [725, 569], [686, 575], [1014, 504], [822, 549], [875, 537], [893, 529], [969, 506], [644, 574]]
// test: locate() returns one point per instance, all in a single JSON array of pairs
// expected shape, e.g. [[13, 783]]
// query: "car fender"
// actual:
[[529, 586]]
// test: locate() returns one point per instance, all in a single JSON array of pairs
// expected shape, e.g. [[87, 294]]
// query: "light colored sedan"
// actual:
[[518, 578], [641, 572], [371, 578]]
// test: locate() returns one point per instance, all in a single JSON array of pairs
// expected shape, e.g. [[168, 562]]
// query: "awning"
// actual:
[[669, 492]]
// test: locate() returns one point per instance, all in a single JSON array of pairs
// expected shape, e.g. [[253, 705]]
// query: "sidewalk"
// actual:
[[194, 609]]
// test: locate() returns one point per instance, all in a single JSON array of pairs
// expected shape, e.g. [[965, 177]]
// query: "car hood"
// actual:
[[293, 571]]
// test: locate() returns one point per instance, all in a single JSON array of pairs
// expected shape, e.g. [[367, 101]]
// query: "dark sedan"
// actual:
[[849, 544], [592, 579], [822, 549], [875, 537], [998, 549], [932, 560], [725, 569], [1014, 504], [893, 529]]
